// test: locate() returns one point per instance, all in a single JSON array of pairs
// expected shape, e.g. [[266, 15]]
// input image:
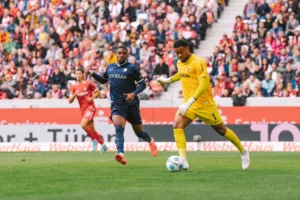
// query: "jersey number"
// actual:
[[214, 116], [88, 114]]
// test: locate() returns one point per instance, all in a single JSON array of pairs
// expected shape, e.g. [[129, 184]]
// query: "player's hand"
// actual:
[[162, 80], [89, 72], [89, 99], [76, 93], [130, 96], [184, 107]]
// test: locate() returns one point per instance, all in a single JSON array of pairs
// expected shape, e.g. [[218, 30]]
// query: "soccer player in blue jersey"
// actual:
[[126, 83]]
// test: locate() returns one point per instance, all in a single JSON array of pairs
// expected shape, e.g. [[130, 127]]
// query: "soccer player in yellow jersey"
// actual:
[[198, 101]]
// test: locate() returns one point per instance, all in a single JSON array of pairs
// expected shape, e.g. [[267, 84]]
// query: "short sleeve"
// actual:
[[92, 87], [72, 92], [137, 75], [201, 69]]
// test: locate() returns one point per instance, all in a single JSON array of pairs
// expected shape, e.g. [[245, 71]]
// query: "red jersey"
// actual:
[[84, 90]]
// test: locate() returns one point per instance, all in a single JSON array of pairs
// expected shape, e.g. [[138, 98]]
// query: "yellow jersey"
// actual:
[[189, 72]]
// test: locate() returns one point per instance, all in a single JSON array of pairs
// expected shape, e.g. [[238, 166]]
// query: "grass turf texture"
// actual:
[[212, 175]]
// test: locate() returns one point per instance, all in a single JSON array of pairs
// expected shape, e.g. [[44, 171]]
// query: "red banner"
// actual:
[[230, 115]]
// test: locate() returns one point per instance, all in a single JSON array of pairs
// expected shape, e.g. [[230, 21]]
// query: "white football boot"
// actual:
[[245, 156], [185, 164]]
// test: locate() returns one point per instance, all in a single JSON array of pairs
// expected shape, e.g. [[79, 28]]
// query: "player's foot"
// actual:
[[103, 148], [185, 164], [95, 143], [153, 147], [119, 157], [245, 159]]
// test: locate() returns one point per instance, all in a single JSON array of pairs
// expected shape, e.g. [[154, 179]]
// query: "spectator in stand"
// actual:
[[262, 9], [278, 91], [252, 81], [292, 92], [217, 89], [268, 85], [291, 25], [239, 25], [225, 42], [8, 86], [161, 69], [296, 81], [239, 98], [249, 9]]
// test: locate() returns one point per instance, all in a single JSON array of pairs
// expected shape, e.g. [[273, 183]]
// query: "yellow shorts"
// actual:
[[209, 115]]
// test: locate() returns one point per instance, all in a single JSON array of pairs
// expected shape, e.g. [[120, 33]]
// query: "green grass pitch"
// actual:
[[212, 175]]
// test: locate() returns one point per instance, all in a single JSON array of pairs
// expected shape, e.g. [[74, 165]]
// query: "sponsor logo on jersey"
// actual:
[[118, 76], [82, 93], [184, 75]]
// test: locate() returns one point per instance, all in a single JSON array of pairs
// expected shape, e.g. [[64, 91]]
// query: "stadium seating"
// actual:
[[261, 56], [41, 44]]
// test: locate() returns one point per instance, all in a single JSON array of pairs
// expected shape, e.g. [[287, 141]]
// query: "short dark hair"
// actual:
[[123, 47], [80, 69], [180, 43]]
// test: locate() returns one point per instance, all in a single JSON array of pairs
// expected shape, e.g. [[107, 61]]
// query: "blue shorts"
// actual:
[[130, 111]]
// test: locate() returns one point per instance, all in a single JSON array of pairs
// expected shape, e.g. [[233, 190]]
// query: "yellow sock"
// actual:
[[231, 136], [180, 142]]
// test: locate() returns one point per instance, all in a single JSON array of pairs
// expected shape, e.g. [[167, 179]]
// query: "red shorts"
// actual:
[[89, 114]]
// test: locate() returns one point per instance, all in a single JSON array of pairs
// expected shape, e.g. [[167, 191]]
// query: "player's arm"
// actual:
[[100, 78], [72, 95], [163, 80], [141, 85], [204, 84], [95, 94]]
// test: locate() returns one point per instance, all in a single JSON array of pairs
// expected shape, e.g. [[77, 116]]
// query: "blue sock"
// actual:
[[144, 135], [119, 138]]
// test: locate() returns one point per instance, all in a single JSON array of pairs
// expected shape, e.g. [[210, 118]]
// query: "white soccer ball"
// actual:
[[174, 164]]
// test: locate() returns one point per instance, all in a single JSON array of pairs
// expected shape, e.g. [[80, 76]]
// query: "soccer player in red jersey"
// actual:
[[86, 92]]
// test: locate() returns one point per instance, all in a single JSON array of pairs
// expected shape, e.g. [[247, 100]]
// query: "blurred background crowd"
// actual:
[[42, 42], [261, 57]]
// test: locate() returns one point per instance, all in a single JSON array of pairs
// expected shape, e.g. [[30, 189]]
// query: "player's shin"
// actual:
[[180, 142], [98, 137], [231, 136], [144, 135], [119, 138], [90, 133]]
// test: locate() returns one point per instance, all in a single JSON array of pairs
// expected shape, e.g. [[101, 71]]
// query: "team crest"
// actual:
[[187, 70], [85, 89], [125, 70]]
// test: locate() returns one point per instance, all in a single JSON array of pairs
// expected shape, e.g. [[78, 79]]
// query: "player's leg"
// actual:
[[85, 126], [232, 137], [180, 123], [87, 118], [211, 116], [143, 134], [119, 122], [98, 138], [134, 117]]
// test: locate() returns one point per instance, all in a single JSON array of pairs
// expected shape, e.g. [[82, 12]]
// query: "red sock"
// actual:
[[98, 137], [89, 131]]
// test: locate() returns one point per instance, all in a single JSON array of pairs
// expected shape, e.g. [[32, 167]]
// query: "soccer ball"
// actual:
[[174, 164]]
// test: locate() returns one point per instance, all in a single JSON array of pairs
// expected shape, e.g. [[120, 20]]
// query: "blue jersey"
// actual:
[[122, 79]]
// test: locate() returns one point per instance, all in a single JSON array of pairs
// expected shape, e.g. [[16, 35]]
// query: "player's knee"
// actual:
[[84, 126], [222, 130], [119, 129], [177, 125]]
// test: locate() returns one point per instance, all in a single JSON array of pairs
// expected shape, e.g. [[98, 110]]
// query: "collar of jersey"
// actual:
[[121, 64]]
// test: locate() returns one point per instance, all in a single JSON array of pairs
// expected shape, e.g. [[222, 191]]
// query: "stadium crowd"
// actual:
[[261, 57], [42, 42]]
